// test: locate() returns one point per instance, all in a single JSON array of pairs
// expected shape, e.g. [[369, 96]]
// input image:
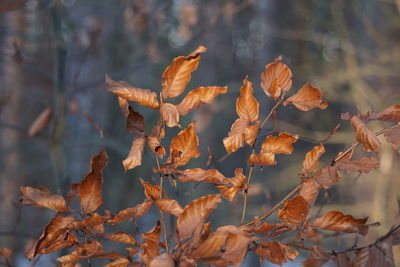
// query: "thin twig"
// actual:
[[246, 195], [161, 213]]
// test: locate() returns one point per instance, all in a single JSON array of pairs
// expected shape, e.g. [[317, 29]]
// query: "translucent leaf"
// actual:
[[121, 237], [317, 257], [212, 176], [152, 192], [247, 107]]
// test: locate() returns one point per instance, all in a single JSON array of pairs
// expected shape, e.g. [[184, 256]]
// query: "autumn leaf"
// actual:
[[42, 198], [310, 163], [337, 221], [134, 157], [295, 210], [309, 190], [5, 252], [194, 214], [131, 213], [150, 245], [177, 75], [391, 114], [152, 192], [392, 136], [90, 187], [236, 137], [92, 220], [317, 257], [154, 140], [201, 95], [247, 107], [198, 175], [327, 176], [275, 252], [308, 97], [169, 205], [364, 164], [235, 185], [134, 121], [184, 146], [121, 262], [364, 135], [40, 122], [164, 260], [262, 159], [276, 78], [121, 237], [169, 113], [144, 97], [251, 132]]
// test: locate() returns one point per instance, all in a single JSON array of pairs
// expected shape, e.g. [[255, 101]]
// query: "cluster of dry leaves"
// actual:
[[195, 241]]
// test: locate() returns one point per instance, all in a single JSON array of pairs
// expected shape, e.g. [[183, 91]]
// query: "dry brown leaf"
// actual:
[[42, 198], [90, 221], [336, 221], [295, 210], [122, 89], [212, 176], [194, 214], [169, 113], [391, 114], [41, 121], [151, 244], [379, 254], [282, 144], [177, 75], [251, 132], [121, 237], [131, 213], [90, 188], [184, 146], [236, 184], [201, 95], [308, 97], [276, 78], [164, 260], [134, 121], [317, 257], [275, 252], [310, 163], [247, 107], [5, 252], [169, 205], [134, 157], [262, 159], [121, 262], [309, 191], [236, 137], [364, 164], [364, 135], [327, 176], [152, 192], [392, 136], [154, 140]]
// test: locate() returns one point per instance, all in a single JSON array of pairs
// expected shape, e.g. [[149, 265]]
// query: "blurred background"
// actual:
[[55, 54]]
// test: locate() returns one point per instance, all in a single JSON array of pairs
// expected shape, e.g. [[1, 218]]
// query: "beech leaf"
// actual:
[[169, 114], [151, 244], [169, 205], [198, 175], [247, 107], [236, 137], [295, 210], [121, 237], [309, 190], [184, 146], [275, 252], [317, 257], [364, 135], [154, 140], [131, 213], [391, 114], [42, 198], [308, 97], [152, 192], [310, 163], [134, 157], [327, 176], [392, 136], [276, 78], [236, 184], [364, 164]]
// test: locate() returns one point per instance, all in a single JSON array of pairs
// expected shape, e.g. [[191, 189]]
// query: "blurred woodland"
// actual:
[[55, 54]]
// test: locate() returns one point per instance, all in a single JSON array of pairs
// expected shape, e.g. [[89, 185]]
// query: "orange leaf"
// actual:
[[262, 159], [143, 97], [251, 132], [154, 140], [164, 260], [364, 135], [121, 262], [392, 136], [5, 252], [295, 210], [211, 176], [150, 245], [134, 157], [364, 164], [169, 114], [194, 214], [310, 163], [152, 192], [236, 184], [275, 252], [40, 122], [131, 213], [308, 97], [276, 78], [236, 138], [247, 107], [309, 190], [283, 144], [337, 221], [201, 95], [327, 176], [169, 205], [184, 146], [177, 75], [42, 198], [317, 257], [391, 114], [134, 121], [90, 187], [121, 237]]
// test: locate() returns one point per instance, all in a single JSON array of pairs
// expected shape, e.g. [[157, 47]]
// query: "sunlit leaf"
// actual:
[[201, 95], [134, 157], [282, 144], [169, 113], [121, 237], [131, 213], [310, 163], [317, 257], [40, 122], [212, 176], [392, 136], [262, 159], [276, 78], [295, 210], [152, 192], [365, 136], [177, 75], [251, 132], [42, 198], [275, 252], [90, 188], [247, 107], [236, 137], [144, 97], [184, 146], [169, 205], [235, 185], [308, 97]]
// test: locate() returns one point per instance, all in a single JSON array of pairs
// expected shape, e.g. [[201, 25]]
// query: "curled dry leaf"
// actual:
[[364, 164], [295, 210], [262, 159], [247, 107], [169, 114], [152, 192], [134, 157], [309, 190], [336, 221], [327, 176], [276, 78], [131, 213], [121, 262], [310, 163], [317, 257], [392, 136], [391, 114], [164, 260], [5, 252], [144, 97], [236, 184], [308, 97], [40, 122], [275, 252], [226, 246], [236, 137], [184, 146], [201, 95], [212, 176], [177, 75], [90, 188], [42, 198], [121, 237], [169, 205], [154, 140], [134, 121], [364, 135], [194, 214], [251, 132], [92, 221], [151, 244]]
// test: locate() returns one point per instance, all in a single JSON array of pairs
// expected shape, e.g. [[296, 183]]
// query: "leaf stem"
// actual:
[[246, 195], [162, 221]]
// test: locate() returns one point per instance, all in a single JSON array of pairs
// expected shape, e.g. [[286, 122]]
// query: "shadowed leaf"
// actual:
[[317, 257], [310, 163], [151, 244], [169, 114], [131, 213], [295, 210], [364, 164], [392, 136], [364, 135], [391, 114], [275, 252]]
